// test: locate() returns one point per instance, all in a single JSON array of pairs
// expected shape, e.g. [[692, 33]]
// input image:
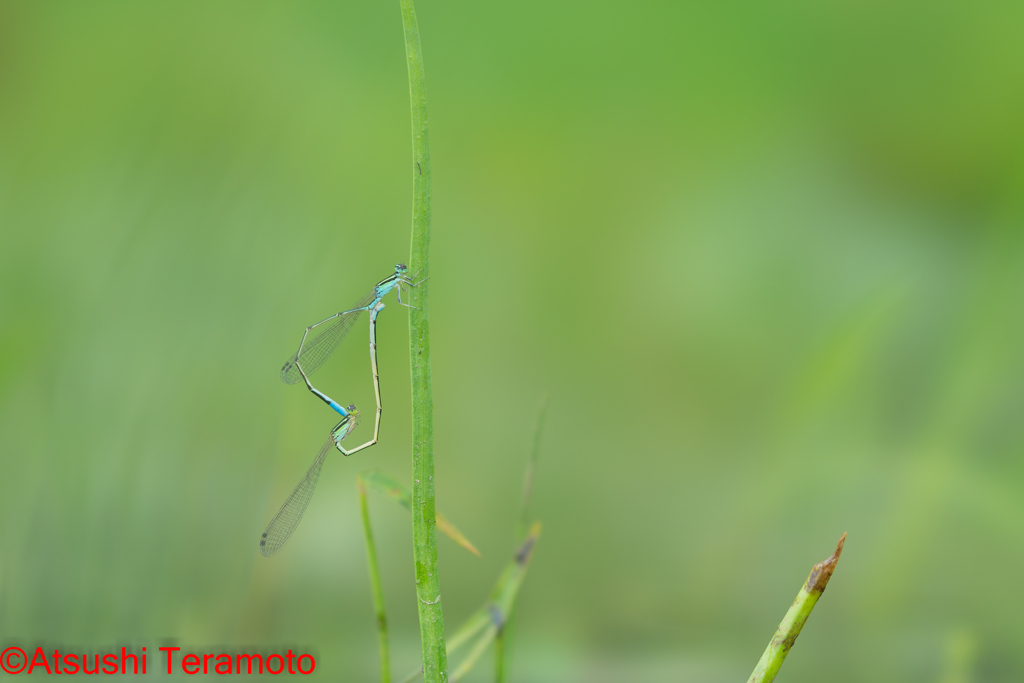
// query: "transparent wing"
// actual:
[[321, 342], [285, 521]]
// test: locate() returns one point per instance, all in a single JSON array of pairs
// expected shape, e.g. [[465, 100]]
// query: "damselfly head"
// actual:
[[347, 424], [401, 268], [352, 419]]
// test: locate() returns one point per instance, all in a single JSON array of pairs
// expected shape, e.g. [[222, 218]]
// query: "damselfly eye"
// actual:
[[351, 407], [401, 267]]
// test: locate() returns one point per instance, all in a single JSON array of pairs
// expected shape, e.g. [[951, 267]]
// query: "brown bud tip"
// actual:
[[525, 551], [822, 571]]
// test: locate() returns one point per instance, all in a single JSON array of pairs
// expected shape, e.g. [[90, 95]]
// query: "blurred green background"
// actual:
[[767, 260]]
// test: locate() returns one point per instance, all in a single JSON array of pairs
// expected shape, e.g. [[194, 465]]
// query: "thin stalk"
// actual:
[[473, 626], [474, 654], [531, 465], [375, 585], [500, 665], [506, 636], [796, 617], [424, 531]]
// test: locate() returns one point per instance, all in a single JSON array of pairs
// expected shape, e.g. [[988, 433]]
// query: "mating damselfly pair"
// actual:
[[318, 343]]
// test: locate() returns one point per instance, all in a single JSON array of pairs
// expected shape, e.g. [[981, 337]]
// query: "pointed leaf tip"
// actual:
[[822, 571], [447, 528]]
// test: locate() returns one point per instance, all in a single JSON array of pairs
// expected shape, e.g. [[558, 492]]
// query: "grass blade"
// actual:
[[474, 655], [500, 663], [387, 485], [503, 640], [531, 465], [501, 603], [375, 585], [796, 617]]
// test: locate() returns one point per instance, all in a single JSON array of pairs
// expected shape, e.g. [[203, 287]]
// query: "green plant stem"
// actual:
[[499, 657], [424, 531], [505, 637], [793, 622], [531, 465], [503, 642], [375, 585]]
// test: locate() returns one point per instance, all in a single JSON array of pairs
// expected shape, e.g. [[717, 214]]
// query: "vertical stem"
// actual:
[[424, 531], [375, 585], [503, 643], [531, 465], [499, 657]]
